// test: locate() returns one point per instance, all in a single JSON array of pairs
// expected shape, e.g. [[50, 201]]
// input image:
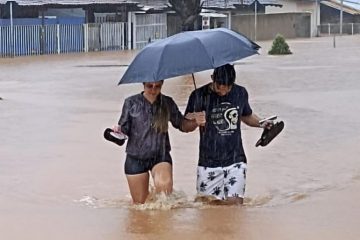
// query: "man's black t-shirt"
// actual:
[[220, 139]]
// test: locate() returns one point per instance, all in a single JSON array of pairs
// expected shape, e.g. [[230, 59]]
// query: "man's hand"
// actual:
[[266, 124], [200, 118], [190, 116]]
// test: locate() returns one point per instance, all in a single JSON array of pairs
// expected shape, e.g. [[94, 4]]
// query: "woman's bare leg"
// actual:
[[163, 177], [139, 187]]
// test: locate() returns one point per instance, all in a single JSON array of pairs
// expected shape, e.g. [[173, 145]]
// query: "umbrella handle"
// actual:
[[193, 77]]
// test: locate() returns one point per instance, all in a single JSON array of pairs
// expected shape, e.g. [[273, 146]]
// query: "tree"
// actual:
[[188, 11]]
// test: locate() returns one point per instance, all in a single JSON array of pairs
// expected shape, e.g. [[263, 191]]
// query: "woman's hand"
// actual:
[[117, 129]]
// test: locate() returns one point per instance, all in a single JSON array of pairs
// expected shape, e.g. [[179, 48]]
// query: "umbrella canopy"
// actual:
[[186, 53]]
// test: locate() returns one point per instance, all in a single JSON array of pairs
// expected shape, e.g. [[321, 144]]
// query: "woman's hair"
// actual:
[[224, 75], [161, 115]]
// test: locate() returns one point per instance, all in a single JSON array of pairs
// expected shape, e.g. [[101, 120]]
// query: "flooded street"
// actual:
[[59, 179]]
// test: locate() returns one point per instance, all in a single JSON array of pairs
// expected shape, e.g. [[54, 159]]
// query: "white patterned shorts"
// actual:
[[222, 182]]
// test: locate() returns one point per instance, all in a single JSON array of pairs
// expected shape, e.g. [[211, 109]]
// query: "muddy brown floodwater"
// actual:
[[59, 179]]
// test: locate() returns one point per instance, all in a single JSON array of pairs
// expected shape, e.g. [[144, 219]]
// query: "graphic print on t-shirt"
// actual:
[[225, 118]]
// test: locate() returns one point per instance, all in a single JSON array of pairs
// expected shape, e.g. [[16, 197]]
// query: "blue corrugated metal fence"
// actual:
[[55, 36]]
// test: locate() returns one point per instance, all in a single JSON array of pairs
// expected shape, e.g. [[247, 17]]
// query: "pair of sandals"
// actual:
[[266, 137], [117, 138], [269, 134]]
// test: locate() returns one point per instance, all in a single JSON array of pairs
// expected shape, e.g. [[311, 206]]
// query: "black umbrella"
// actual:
[[187, 53]]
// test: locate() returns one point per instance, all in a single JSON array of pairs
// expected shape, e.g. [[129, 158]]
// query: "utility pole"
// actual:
[[316, 18], [341, 16], [42, 33], [12, 37], [255, 20], [229, 20]]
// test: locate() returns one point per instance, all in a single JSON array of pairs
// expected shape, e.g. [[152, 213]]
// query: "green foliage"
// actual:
[[279, 46]]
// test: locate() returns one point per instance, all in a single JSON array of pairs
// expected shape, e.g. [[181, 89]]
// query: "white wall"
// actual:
[[299, 6]]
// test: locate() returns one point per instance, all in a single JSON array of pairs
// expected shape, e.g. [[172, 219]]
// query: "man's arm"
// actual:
[[251, 120], [254, 121]]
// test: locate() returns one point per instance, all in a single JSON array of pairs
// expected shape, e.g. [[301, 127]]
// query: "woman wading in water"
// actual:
[[144, 119]]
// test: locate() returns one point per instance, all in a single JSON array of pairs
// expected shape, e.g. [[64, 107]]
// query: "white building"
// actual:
[[289, 6]]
